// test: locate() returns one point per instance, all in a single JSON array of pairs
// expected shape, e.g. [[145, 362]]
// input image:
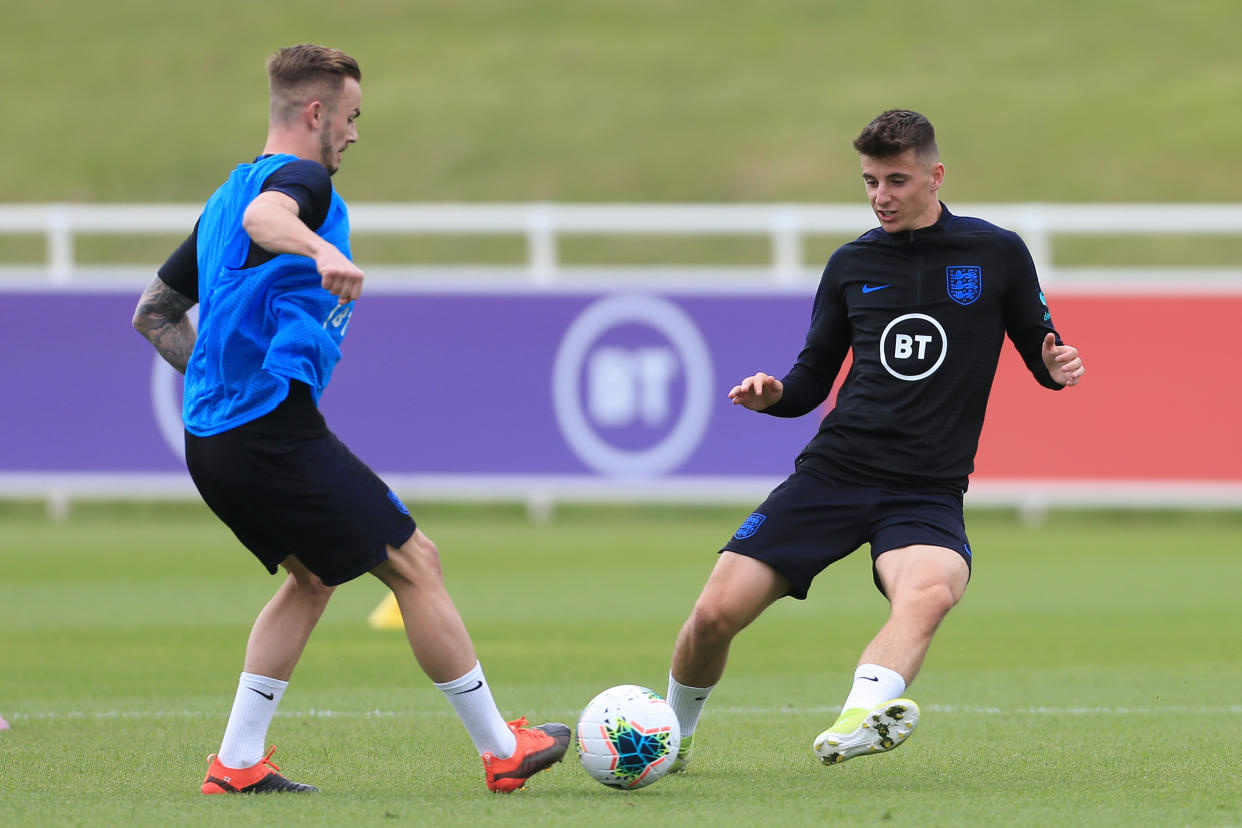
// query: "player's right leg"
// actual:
[[513, 751], [433, 625], [736, 593]]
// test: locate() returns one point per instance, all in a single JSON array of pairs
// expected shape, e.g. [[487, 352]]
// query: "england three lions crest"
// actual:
[[750, 526], [964, 283]]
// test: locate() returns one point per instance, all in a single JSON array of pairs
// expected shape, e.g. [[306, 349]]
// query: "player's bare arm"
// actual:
[[1063, 362], [271, 220], [757, 392], [161, 318]]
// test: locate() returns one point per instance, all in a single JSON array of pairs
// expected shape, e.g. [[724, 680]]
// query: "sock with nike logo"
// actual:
[[874, 685], [245, 738], [687, 703], [472, 701]]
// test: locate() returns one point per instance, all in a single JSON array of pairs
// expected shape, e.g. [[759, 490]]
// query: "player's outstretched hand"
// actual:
[[757, 392], [1063, 361], [341, 277]]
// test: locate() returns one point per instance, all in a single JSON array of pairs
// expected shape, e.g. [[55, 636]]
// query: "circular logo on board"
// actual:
[[631, 386]]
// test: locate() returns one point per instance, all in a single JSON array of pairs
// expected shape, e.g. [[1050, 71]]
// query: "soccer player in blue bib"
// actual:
[[269, 266], [924, 303]]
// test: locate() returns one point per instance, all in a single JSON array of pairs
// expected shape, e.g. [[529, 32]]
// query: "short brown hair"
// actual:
[[895, 131], [296, 74]]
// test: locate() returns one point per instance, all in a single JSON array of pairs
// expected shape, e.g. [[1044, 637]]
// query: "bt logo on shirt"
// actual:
[[913, 346]]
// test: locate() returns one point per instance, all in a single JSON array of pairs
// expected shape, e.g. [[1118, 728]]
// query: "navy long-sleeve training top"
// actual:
[[925, 313]]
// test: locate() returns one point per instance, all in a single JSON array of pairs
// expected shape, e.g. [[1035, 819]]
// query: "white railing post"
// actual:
[[59, 233], [1034, 231], [541, 244], [787, 252]]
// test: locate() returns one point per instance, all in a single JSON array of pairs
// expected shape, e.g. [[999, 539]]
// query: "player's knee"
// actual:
[[306, 584], [309, 592], [417, 560], [929, 600], [713, 623]]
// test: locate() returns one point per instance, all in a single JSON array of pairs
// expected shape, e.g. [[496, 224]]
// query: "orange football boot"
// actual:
[[260, 778], [538, 748]]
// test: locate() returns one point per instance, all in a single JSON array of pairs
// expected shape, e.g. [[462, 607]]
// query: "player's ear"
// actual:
[[937, 176], [313, 113]]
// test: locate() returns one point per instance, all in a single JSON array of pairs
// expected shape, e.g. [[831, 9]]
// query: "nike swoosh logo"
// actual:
[[471, 690], [873, 288], [870, 678], [268, 696]]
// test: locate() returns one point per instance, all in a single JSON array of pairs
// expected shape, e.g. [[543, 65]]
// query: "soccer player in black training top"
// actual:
[[924, 302]]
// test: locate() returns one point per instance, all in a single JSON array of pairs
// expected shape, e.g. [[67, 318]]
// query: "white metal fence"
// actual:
[[543, 226], [786, 226]]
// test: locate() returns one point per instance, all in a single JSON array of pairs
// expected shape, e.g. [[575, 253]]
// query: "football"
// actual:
[[628, 737]]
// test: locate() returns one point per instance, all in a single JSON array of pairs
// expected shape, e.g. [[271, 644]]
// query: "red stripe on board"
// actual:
[[1160, 400]]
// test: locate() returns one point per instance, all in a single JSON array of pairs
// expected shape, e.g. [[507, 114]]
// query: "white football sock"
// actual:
[[245, 738], [874, 685], [687, 703], [472, 700]]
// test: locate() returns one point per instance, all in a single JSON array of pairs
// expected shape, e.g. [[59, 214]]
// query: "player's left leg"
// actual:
[[922, 583], [280, 633], [277, 639]]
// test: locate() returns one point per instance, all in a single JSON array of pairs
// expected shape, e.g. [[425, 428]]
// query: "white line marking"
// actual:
[[950, 710]]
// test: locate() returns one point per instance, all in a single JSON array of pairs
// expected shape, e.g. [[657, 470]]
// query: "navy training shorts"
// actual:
[[809, 522], [287, 486]]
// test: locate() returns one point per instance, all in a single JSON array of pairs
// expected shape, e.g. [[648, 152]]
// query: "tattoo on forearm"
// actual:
[[161, 318]]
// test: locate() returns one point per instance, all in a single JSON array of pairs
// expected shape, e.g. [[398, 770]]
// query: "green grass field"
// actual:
[[651, 100], [648, 101], [1088, 678]]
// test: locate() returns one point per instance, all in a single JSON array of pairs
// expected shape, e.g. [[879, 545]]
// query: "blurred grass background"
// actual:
[[1083, 680], [650, 100]]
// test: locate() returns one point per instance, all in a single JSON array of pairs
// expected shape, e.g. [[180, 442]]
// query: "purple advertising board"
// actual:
[[473, 384]]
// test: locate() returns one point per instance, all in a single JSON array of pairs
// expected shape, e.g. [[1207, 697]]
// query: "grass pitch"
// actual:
[[651, 100], [1086, 679]]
